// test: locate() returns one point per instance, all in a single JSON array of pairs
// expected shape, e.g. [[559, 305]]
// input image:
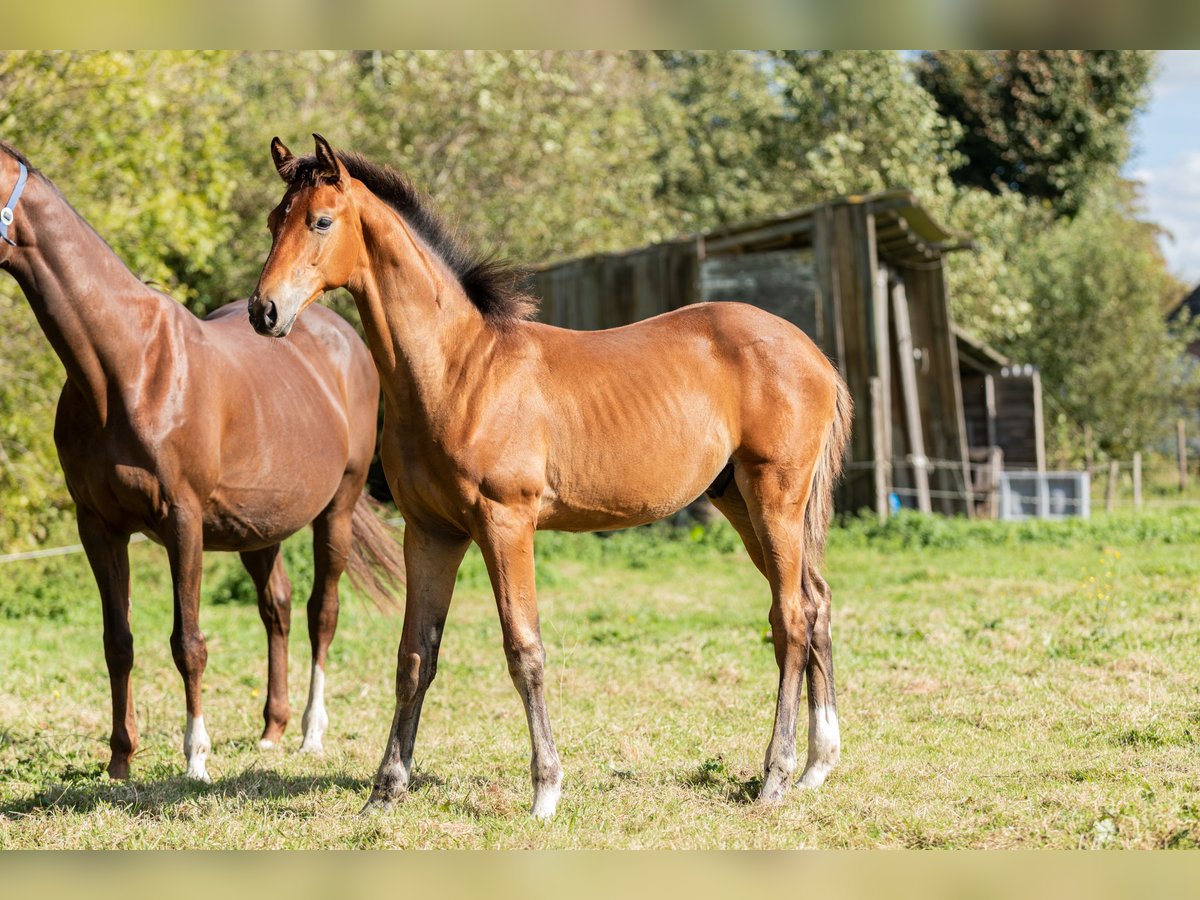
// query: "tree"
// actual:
[[103, 127], [857, 122], [1047, 123], [1097, 285]]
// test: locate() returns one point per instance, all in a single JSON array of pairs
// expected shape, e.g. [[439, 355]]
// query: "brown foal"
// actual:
[[496, 426], [201, 435]]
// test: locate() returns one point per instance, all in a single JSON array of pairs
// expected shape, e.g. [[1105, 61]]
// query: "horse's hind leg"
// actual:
[[108, 554], [332, 539], [775, 497], [824, 737], [732, 505], [275, 608]]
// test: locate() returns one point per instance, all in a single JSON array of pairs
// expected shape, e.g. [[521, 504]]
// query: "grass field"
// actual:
[[999, 686]]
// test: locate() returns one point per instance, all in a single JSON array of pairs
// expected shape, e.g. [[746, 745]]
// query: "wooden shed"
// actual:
[[863, 277]]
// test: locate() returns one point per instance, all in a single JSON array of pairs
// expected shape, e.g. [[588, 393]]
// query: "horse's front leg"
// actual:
[[108, 554], [506, 540], [185, 550], [432, 561]]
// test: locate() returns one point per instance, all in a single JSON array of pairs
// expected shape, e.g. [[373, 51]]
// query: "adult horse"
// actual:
[[200, 435], [496, 426]]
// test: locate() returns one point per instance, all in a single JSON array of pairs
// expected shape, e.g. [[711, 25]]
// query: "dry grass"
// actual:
[[990, 696]]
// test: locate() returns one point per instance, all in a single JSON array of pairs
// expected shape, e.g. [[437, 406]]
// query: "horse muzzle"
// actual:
[[266, 319]]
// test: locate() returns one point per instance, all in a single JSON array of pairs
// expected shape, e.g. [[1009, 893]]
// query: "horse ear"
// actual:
[[331, 166], [282, 156]]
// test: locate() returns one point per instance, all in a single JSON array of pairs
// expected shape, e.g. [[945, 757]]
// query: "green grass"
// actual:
[[999, 686]]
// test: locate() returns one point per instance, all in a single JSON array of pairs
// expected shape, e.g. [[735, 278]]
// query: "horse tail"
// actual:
[[376, 564], [819, 510]]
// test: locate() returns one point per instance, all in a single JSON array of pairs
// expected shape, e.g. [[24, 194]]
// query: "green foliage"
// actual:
[[856, 122], [911, 529], [136, 141], [1050, 124], [1097, 285]]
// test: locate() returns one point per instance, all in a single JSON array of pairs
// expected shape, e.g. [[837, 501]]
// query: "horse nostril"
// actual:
[[269, 314]]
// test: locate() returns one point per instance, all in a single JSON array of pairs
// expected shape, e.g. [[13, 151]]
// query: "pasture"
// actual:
[[999, 686]]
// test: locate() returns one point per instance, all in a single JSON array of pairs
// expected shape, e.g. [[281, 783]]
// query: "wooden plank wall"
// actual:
[[1016, 431], [975, 410], [939, 387], [616, 289], [862, 347], [779, 281]]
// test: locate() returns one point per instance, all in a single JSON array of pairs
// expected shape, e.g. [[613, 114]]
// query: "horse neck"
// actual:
[[90, 306], [427, 337]]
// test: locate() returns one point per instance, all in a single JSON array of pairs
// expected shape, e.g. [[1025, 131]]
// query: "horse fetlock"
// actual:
[[391, 783]]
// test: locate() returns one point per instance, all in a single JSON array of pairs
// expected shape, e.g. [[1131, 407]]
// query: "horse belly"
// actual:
[[631, 483], [264, 497], [251, 519]]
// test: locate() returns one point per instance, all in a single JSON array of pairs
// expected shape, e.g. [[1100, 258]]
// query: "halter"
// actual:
[[6, 214]]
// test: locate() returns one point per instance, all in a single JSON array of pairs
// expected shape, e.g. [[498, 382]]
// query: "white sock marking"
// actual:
[[315, 720], [196, 745], [824, 745]]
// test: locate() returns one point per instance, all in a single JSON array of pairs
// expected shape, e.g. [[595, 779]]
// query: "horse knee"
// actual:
[[526, 663], [190, 652]]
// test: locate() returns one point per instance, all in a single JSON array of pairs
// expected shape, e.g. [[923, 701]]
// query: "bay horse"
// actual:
[[200, 435], [495, 426]]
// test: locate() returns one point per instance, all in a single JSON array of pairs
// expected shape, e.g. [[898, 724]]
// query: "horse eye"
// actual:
[[323, 223]]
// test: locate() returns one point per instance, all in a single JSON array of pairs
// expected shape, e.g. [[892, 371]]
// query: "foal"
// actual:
[[496, 426], [200, 435]]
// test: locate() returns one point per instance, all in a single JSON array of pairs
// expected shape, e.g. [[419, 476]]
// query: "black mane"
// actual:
[[494, 285]]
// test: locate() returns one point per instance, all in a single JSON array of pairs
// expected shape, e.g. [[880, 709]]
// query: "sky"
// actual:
[[1166, 158]]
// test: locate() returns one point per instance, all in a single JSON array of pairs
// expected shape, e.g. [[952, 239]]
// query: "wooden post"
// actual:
[[1137, 481], [1089, 454], [1181, 444], [995, 469], [879, 449], [1039, 428], [908, 387], [1110, 488]]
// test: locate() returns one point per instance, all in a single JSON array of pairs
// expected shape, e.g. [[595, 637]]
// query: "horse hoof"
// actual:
[[312, 746], [376, 805], [196, 771], [814, 776], [118, 771], [773, 790], [267, 744]]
